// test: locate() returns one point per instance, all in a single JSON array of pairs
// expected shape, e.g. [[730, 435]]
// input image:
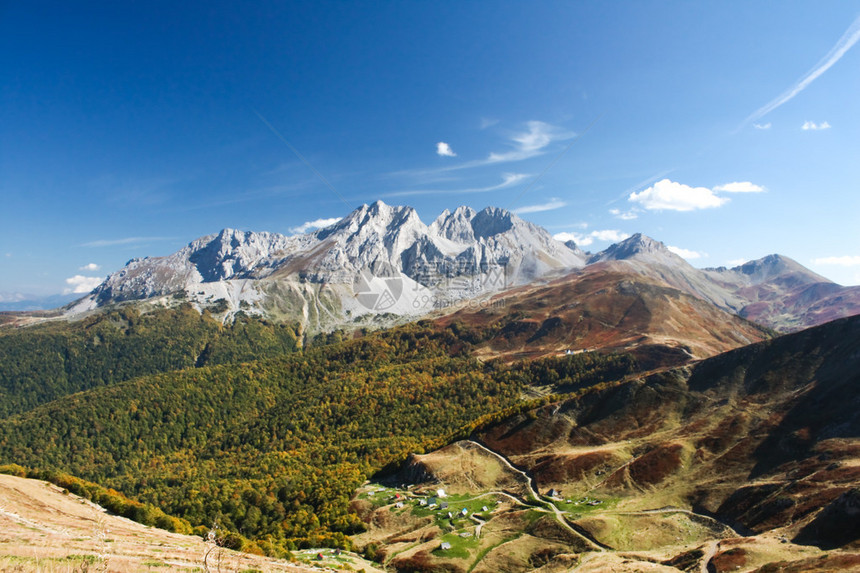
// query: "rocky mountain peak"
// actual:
[[575, 248], [777, 269], [638, 247], [492, 221], [462, 254], [376, 217], [456, 226]]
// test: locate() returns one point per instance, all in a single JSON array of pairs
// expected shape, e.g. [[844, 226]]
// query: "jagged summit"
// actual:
[[453, 257], [381, 252], [493, 221], [456, 226], [374, 217]]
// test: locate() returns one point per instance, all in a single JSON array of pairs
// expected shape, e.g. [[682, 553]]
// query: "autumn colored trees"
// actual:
[[268, 449]]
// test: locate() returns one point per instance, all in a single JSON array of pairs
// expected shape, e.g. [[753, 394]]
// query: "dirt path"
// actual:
[[480, 525], [711, 550], [535, 495], [507, 463]]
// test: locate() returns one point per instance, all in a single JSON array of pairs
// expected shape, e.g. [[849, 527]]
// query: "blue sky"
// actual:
[[727, 130]]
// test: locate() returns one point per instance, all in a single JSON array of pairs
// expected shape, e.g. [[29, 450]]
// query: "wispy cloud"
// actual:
[[508, 180], [586, 239], [79, 284], [90, 267], [767, 125], [525, 144], [624, 215], [685, 253], [845, 43], [736, 262], [551, 205], [135, 192], [812, 126], [488, 122], [315, 224], [530, 143], [444, 150], [740, 187], [124, 241], [671, 196], [260, 194], [845, 261]]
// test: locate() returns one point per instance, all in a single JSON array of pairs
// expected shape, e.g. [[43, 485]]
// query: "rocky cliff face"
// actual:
[[370, 258]]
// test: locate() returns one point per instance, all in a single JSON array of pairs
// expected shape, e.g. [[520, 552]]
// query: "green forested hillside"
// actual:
[[273, 448], [44, 362]]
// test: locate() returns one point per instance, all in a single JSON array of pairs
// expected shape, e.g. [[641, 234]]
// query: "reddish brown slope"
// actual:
[[766, 437], [604, 307]]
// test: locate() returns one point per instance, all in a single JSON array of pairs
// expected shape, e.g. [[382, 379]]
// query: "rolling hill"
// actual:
[[749, 460]]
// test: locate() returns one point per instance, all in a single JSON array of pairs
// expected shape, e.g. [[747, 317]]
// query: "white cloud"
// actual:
[[80, 284], [812, 126], [685, 253], [90, 267], [586, 239], [566, 236], [736, 262], [739, 187], [444, 150], [315, 224], [762, 125], [624, 216], [609, 235], [848, 39], [672, 196], [846, 261], [552, 204]]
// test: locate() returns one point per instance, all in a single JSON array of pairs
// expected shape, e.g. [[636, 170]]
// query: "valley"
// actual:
[[611, 411], [706, 467]]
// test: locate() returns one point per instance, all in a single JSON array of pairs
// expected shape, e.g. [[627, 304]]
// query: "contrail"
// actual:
[[300, 156], [848, 39]]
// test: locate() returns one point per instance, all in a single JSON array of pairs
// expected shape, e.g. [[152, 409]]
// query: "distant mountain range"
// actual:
[[774, 291], [377, 260], [382, 262]]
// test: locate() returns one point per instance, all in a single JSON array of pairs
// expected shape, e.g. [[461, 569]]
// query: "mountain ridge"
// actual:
[[458, 256], [382, 263]]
